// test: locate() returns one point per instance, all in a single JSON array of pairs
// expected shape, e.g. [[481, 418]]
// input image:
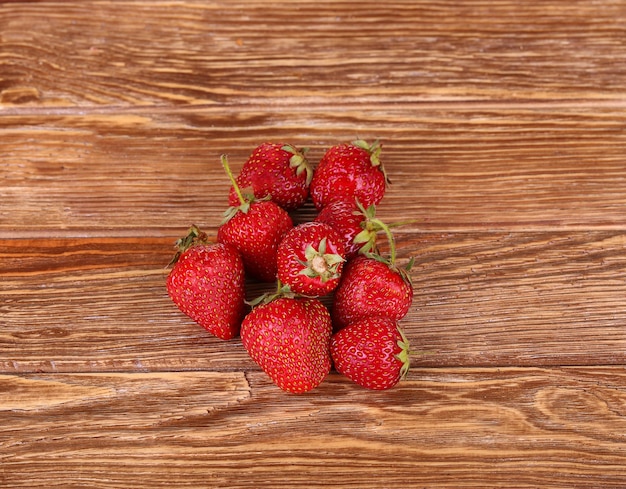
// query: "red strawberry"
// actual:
[[349, 172], [373, 286], [279, 171], [372, 352], [207, 284], [289, 338], [310, 259], [255, 228], [354, 223]]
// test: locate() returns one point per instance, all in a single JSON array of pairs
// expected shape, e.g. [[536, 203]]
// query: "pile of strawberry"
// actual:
[[291, 334]]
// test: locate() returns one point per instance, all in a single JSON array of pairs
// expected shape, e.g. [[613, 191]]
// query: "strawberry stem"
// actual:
[[226, 166], [282, 290], [367, 237], [194, 236], [390, 239]]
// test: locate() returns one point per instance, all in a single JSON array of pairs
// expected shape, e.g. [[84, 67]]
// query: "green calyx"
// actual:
[[374, 151], [194, 237], [405, 354], [244, 200], [371, 227], [299, 162], [377, 225], [282, 291], [320, 264]]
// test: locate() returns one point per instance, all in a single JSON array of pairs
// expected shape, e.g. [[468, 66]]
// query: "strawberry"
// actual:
[[310, 259], [280, 171], [354, 223], [207, 284], [347, 172], [289, 338], [255, 228], [373, 352], [373, 286]]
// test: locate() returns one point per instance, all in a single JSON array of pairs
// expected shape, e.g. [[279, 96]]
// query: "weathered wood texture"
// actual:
[[441, 428], [464, 169], [489, 299], [504, 132], [154, 52]]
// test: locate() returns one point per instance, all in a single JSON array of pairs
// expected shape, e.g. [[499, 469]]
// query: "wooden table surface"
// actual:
[[504, 133]]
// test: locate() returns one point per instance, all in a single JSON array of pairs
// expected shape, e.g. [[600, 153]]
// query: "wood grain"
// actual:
[[503, 125], [462, 169], [195, 52], [441, 428], [496, 299]]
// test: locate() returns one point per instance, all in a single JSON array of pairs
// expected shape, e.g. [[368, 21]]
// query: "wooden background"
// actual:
[[504, 132]]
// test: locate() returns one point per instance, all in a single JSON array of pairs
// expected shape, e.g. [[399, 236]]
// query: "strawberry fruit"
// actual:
[[289, 338], [373, 286], [207, 284], [373, 352], [276, 170], [255, 228], [290, 334], [310, 259], [354, 223], [349, 172]]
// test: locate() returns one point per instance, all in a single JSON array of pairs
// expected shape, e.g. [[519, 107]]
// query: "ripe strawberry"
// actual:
[[255, 228], [373, 352], [373, 286], [279, 171], [289, 338], [207, 284], [348, 172], [355, 224], [310, 259]]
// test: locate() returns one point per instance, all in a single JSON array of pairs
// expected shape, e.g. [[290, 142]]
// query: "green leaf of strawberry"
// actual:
[[354, 223], [310, 259], [373, 285], [299, 163], [374, 151]]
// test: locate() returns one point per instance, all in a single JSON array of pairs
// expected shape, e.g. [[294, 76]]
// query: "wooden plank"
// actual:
[[463, 168], [480, 299], [503, 132], [519, 298], [96, 305], [448, 428], [127, 53]]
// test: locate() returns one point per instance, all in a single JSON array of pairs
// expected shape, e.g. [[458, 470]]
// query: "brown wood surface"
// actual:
[[504, 132]]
